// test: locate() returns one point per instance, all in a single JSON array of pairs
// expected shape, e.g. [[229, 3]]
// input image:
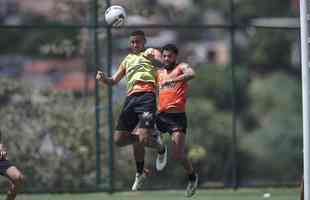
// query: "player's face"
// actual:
[[169, 59], [137, 43]]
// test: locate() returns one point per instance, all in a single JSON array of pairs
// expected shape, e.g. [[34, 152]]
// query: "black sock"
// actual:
[[162, 151], [192, 176], [140, 166]]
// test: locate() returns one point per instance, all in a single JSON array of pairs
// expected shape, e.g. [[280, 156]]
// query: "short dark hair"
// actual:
[[137, 32], [170, 47]]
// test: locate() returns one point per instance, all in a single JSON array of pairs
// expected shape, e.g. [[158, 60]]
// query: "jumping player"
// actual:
[[171, 117], [138, 112]]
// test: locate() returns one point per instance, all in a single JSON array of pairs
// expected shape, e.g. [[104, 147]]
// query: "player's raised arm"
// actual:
[[188, 72], [103, 77], [154, 55]]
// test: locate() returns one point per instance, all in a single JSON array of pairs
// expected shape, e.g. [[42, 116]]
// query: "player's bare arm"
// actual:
[[103, 77], [188, 74]]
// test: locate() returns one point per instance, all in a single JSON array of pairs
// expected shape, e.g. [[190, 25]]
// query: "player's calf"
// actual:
[[17, 181], [192, 185]]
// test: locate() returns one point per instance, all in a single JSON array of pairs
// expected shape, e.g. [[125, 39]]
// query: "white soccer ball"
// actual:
[[266, 195], [115, 15]]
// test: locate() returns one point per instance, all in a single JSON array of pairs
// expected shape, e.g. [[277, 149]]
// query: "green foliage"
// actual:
[[52, 134], [56, 131], [248, 9], [276, 142], [245, 10], [271, 49], [268, 124], [30, 41], [276, 92], [215, 83]]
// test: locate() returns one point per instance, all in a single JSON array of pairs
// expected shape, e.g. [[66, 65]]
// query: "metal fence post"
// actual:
[[110, 106], [233, 99], [97, 99]]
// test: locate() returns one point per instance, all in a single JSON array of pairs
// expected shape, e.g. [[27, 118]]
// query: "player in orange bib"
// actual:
[[172, 83]]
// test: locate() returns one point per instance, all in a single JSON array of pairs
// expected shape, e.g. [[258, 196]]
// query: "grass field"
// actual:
[[242, 194]]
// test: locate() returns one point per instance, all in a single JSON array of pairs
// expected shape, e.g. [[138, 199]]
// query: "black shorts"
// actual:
[[171, 122], [138, 111], [4, 165]]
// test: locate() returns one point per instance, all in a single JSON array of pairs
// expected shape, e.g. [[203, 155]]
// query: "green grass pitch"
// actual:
[[227, 194]]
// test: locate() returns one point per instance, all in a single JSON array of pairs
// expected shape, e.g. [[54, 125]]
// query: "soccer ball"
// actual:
[[115, 16]]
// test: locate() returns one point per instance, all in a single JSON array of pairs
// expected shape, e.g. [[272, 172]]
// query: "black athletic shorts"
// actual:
[[171, 122], [138, 111], [4, 165]]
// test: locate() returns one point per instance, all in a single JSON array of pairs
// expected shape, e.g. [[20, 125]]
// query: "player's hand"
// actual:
[[149, 53], [101, 76], [3, 155]]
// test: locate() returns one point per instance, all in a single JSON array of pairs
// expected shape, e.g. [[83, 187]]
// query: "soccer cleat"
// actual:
[[139, 180], [191, 187], [161, 160]]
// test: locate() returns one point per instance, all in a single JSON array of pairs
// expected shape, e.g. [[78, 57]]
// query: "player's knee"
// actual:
[[17, 183], [19, 180]]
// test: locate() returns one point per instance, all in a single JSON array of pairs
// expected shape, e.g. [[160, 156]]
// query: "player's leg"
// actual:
[[142, 173], [145, 109], [139, 152], [127, 122], [176, 124], [178, 151], [16, 179], [125, 135], [178, 154], [146, 139], [161, 160]]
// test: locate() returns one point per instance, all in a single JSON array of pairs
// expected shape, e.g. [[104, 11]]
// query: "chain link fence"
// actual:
[[244, 108]]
